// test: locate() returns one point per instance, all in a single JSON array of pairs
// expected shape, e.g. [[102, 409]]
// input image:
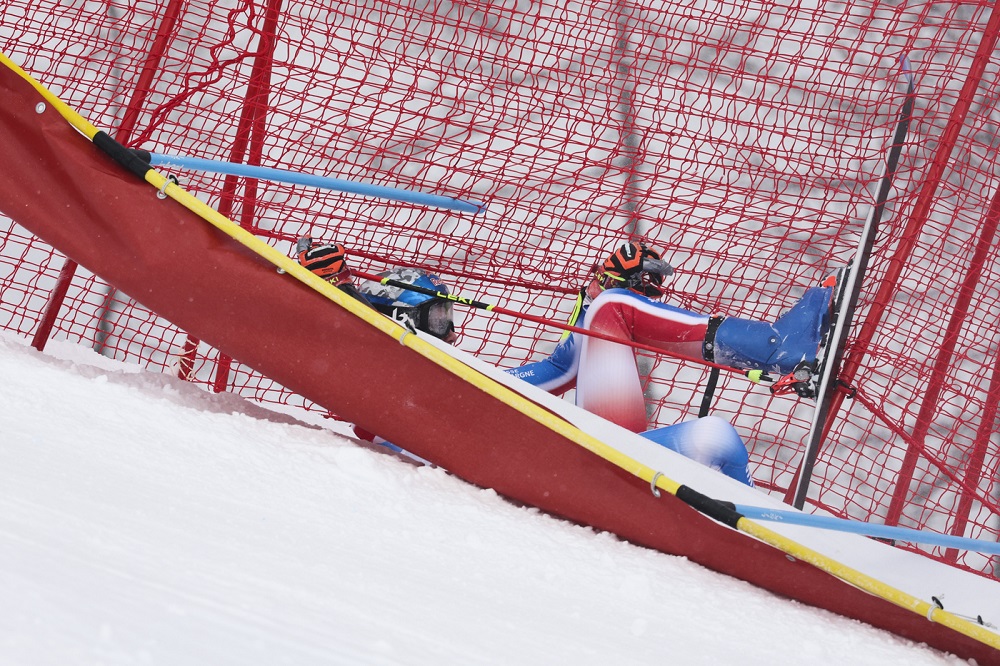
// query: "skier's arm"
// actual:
[[557, 373]]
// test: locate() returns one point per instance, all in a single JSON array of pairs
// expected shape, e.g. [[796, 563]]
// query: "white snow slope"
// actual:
[[145, 521]]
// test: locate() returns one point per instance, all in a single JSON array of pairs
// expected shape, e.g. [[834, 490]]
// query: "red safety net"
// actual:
[[744, 140]]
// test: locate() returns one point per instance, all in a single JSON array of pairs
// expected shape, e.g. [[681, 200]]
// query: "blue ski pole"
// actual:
[[312, 180], [869, 529]]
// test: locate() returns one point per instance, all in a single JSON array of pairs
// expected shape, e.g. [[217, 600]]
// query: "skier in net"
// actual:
[[410, 308], [622, 300], [420, 311]]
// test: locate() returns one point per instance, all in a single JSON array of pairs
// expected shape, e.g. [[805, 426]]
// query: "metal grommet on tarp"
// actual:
[[652, 484], [162, 194]]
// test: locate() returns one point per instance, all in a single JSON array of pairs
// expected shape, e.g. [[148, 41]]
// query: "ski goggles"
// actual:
[[437, 318]]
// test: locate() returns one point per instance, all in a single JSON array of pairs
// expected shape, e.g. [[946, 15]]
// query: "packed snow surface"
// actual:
[[145, 521]]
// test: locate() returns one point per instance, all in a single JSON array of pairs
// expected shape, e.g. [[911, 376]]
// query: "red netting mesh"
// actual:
[[744, 139]]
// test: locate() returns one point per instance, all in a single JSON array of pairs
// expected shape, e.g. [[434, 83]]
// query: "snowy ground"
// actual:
[[144, 521]]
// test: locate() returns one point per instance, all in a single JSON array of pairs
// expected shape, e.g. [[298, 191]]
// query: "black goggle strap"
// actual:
[[608, 280], [652, 271], [645, 283]]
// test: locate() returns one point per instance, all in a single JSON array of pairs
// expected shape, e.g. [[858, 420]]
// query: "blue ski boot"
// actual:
[[805, 379], [794, 339]]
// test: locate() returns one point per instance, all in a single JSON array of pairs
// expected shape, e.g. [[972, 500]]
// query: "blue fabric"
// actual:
[[711, 441], [777, 347], [555, 371]]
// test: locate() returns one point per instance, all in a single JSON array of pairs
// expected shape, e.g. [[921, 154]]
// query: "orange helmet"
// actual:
[[637, 267], [327, 261]]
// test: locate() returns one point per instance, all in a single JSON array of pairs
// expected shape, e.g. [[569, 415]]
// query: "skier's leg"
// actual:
[[795, 337], [608, 380], [711, 441]]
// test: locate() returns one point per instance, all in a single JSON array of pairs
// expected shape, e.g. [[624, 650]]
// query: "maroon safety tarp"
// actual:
[[58, 185]]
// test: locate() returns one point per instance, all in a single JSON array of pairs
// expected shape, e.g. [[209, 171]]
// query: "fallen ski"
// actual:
[[826, 375]]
